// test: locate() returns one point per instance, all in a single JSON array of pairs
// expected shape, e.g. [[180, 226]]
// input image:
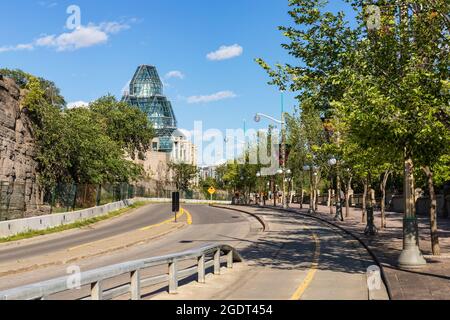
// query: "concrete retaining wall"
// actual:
[[13, 227], [422, 205]]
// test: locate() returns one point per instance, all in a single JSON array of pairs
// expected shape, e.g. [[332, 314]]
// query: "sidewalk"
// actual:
[[431, 282], [294, 258]]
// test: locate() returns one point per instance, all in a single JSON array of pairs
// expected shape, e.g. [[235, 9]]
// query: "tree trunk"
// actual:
[[301, 198], [364, 201], [433, 216], [347, 197], [383, 198]]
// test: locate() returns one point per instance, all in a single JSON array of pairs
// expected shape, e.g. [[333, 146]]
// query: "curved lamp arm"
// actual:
[[259, 115]]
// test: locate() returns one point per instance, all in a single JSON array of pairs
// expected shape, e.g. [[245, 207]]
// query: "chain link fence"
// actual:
[[22, 200]]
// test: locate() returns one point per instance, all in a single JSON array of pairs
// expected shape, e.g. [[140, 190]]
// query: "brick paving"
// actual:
[[431, 282]]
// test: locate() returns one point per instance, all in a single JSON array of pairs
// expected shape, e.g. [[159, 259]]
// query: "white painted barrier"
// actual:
[[14, 227]]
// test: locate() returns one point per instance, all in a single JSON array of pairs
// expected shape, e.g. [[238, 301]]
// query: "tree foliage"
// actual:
[[183, 175], [82, 145]]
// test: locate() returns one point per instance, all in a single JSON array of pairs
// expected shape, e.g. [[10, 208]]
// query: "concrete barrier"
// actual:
[[422, 205], [14, 227], [185, 201]]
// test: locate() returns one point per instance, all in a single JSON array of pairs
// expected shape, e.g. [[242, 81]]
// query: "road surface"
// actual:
[[296, 258]]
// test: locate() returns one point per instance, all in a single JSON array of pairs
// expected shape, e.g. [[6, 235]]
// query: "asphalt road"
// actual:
[[209, 225], [297, 258], [142, 217]]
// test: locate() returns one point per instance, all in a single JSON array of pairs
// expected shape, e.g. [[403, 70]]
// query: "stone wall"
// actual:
[[18, 190]]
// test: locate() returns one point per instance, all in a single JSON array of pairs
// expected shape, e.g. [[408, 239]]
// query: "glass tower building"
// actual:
[[146, 93]]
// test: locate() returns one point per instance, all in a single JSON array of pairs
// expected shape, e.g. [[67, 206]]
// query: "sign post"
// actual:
[[175, 204], [211, 191]]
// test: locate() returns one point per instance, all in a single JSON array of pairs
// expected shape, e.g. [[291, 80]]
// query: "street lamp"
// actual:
[[371, 229], [289, 182], [307, 168], [333, 162], [258, 175]]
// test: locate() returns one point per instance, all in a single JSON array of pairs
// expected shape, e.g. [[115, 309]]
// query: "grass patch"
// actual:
[[75, 225]]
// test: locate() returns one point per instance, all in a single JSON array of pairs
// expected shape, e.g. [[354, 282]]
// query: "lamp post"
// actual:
[[333, 162], [258, 175], [282, 123], [288, 180], [371, 229], [309, 169]]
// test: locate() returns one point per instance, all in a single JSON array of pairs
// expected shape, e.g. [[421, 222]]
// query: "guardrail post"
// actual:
[[201, 269], [217, 262], [173, 277], [136, 285], [230, 259], [96, 291]]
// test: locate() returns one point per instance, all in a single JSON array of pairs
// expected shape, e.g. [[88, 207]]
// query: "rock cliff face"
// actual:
[[18, 188]]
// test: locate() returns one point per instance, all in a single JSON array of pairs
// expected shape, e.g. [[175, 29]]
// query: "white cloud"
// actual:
[[113, 27], [82, 37], [19, 47], [175, 74], [225, 52], [48, 4], [211, 98], [77, 104]]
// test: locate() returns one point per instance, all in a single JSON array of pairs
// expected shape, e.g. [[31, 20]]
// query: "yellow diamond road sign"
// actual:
[[211, 190]]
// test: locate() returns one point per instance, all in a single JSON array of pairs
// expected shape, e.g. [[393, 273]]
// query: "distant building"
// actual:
[[170, 144], [146, 92], [184, 151], [208, 172]]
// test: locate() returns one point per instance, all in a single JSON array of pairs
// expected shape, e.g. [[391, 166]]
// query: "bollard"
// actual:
[[230, 260], [173, 278], [135, 285], [217, 262], [96, 291], [201, 269]]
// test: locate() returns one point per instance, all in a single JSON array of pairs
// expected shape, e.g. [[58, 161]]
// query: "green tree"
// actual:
[[183, 174], [82, 145], [395, 95], [125, 124]]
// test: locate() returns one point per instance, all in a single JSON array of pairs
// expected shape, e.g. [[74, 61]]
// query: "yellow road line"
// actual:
[[179, 215], [189, 217], [311, 273]]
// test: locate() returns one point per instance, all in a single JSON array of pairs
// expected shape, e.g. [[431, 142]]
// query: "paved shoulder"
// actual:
[[298, 258]]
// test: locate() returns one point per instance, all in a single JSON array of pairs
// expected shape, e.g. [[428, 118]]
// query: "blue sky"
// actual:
[[174, 35]]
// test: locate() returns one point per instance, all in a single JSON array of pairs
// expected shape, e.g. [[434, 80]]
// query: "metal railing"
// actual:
[[95, 278]]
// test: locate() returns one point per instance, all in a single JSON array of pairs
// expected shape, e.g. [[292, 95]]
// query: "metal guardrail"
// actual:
[[95, 278]]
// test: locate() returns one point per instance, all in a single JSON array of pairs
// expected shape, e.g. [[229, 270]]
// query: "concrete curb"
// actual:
[[353, 235], [264, 224]]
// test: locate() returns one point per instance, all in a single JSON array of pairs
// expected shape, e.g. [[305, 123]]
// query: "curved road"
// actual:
[[297, 258], [142, 217], [209, 225]]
